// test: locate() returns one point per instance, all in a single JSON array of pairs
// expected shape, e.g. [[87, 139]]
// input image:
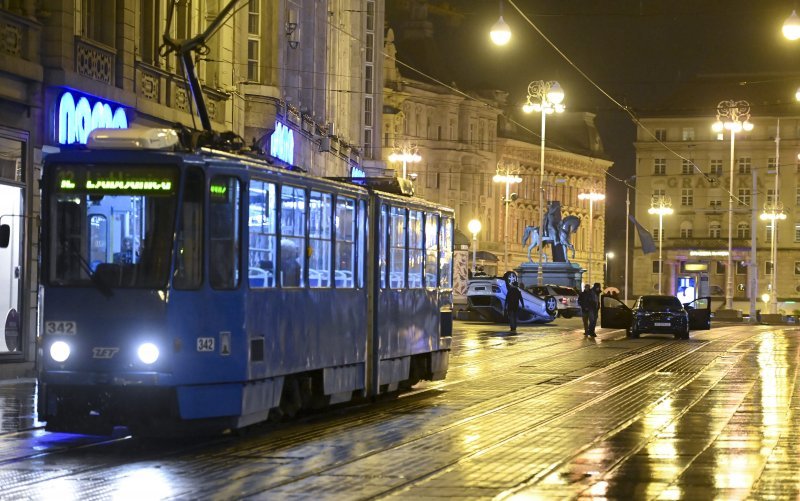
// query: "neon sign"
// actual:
[[76, 119], [281, 143]]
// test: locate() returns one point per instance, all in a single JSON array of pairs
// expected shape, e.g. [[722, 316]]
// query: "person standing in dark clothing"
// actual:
[[597, 291], [587, 300], [513, 302]]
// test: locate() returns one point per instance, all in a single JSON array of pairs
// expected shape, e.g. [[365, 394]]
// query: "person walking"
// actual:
[[597, 291], [513, 302], [587, 300]]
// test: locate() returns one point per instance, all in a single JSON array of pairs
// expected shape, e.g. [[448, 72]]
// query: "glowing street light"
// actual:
[[506, 176], [591, 197], [406, 155], [735, 117], [663, 207], [500, 33], [545, 98], [773, 213], [791, 27], [474, 227]]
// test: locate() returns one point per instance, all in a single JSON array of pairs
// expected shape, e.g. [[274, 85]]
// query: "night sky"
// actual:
[[639, 52]]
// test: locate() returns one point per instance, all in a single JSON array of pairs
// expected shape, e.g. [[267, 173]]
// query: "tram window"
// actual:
[[319, 239], [397, 248], [293, 236], [224, 245], [345, 258], [261, 224], [98, 240], [415, 249], [431, 249], [189, 258], [446, 254], [363, 235], [383, 235]]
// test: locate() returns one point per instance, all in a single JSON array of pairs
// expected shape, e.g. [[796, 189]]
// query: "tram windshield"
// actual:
[[111, 225]]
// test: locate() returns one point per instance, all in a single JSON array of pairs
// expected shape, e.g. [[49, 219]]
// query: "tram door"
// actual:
[[10, 267], [686, 289]]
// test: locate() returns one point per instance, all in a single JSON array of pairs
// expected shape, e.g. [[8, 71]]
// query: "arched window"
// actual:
[[743, 230], [686, 229]]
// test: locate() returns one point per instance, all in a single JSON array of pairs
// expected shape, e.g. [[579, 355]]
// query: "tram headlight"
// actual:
[[148, 353], [59, 351]]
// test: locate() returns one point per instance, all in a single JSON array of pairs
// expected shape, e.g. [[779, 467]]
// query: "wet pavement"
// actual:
[[544, 414]]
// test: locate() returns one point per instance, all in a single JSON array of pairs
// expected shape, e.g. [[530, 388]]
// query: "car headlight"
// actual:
[[59, 351], [148, 353]]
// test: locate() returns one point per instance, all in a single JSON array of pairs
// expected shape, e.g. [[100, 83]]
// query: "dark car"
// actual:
[[657, 313]]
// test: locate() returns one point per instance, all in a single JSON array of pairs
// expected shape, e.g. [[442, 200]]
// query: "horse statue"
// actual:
[[567, 227]]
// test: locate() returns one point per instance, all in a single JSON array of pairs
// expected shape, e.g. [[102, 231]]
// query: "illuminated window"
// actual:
[[415, 249], [345, 255], [319, 239], [397, 248], [293, 232], [262, 254], [446, 254], [431, 249], [223, 237], [687, 134]]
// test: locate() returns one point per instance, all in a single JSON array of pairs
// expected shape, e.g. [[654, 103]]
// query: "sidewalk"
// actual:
[[17, 405]]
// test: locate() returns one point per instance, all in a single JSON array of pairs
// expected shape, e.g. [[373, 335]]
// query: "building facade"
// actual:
[[299, 73], [681, 160]]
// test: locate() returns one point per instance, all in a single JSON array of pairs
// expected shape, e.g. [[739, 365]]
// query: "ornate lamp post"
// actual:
[[545, 98], [773, 212], [407, 154], [506, 176], [474, 227], [663, 207], [735, 117], [591, 197]]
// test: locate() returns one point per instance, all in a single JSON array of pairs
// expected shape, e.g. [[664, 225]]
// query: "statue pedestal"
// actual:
[[569, 274]]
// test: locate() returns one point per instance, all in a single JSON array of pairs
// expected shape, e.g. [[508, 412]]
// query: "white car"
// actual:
[[567, 298], [487, 297]]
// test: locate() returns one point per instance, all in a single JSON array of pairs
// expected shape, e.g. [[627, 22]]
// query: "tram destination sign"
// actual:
[[133, 181]]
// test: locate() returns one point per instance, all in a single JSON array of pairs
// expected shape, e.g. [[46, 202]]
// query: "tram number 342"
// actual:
[[205, 344]]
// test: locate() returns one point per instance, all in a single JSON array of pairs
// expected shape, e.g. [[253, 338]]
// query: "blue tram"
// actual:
[[203, 290]]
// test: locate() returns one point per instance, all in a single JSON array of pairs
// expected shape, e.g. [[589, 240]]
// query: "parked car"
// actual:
[[566, 298], [657, 313]]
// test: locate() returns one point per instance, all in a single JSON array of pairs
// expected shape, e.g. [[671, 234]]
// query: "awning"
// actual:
[[485, 256]]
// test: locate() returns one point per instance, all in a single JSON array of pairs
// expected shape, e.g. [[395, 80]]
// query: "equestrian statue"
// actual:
[[557, 233]]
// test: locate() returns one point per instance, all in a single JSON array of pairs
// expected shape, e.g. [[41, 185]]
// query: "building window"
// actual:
[[744, 196], [659, 166], [770, 196], [772, 165], [687, 197], [98, 21], [686, 230], [720, 268], [150, 35], [797, 267], [741, 268], [797, 197], [658, 194], [715, 167], [687, 167], [768, 268], [661, 134], [656, 234], [744, 165], [797, 232], [253, 40], [714, 230], [715, 203], [687, 134], [656, 265], [768, 232], [743, 230]]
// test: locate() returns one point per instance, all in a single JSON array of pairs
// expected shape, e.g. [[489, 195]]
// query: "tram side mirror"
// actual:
[[5, 235]]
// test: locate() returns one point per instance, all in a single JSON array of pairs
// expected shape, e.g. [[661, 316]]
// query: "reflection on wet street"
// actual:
[[544, 414]]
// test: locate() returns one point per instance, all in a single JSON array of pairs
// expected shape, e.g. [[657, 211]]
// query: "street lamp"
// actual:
[[474, 227], [545, 98], [735, 117], [791, 27], [407, 154], [663, 207], [591, 197], [606, 274], [500, 33], [773, 212], [506, 176]]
